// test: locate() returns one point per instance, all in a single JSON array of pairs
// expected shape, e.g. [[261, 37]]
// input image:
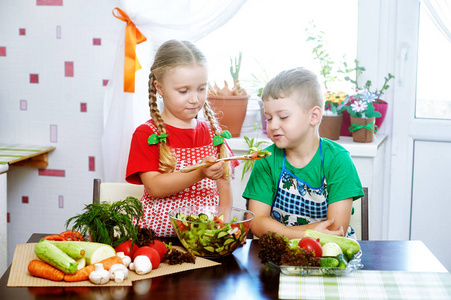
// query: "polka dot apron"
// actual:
[[204, 192], [298, 203]]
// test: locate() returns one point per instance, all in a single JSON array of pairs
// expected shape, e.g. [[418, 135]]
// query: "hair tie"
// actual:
[[155, 139], [219, 139]]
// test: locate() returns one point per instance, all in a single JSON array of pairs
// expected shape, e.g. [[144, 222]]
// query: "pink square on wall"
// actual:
[[60, 201], [96, 41], [2, 51], [69, 68], [34, 78], [23, 104], [24, 199], [83, 107], [21, 31], [50, 172], [58, 32], [53, 133], [92, 163], [49, 2], [105, 82]]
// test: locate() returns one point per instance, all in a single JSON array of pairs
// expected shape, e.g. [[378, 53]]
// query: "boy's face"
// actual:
[[288, 124]]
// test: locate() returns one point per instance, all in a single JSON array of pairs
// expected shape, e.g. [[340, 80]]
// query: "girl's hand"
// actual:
[[324, 225], [214, 172]]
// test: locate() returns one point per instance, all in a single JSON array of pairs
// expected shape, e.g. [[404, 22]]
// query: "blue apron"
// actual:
[[298, 203]]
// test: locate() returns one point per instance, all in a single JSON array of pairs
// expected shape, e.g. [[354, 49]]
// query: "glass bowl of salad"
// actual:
[[211, 231]]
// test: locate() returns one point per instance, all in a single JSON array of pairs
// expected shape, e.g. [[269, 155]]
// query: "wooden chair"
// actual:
[[359, 220], [114, 191]]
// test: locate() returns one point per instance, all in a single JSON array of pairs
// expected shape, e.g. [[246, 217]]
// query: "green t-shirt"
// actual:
[[341, 175]]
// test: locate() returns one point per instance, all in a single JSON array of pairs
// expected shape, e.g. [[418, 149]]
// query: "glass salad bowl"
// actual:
[[211, 231]]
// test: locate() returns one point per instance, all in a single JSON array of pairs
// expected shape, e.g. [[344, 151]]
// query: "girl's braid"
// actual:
[[223, 150], [167, 158]]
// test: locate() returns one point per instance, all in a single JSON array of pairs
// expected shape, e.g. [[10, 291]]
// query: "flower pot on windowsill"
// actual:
[[230, 111], [363, 132], [330, 127], [379, 105]]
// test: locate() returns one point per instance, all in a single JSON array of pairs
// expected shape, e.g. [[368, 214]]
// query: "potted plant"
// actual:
[[363, 117], [230, 105], [332, 117], [380, 105]]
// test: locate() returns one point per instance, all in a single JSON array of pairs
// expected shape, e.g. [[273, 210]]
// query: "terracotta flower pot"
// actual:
[[380, 106], [230, 111], [330, 127], [362, 135]]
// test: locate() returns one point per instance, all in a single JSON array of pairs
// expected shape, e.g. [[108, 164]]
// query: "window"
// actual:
[[433, 99], [271, 36]]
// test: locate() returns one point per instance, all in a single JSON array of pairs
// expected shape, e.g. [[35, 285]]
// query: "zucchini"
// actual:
[[74, 250], [344, 243], [55, 257]]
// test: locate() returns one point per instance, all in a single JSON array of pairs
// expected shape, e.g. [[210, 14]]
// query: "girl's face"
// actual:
[[288, 124], [184, 91]]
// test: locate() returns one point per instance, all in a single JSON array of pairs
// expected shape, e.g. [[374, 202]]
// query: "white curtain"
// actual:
[[158, 21], [440, 13]]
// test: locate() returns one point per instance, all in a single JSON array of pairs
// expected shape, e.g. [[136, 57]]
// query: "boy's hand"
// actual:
[[214, 172], [325, 225]]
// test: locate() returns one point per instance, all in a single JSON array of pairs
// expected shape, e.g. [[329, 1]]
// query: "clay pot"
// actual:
[[362, 135], [230, 111], [330, 127], [379, 105]]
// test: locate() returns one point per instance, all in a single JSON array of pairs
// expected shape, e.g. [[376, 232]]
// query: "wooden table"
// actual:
[[240, 276]]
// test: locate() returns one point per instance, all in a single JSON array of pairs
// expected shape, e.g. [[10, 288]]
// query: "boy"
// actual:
[[308, 182]]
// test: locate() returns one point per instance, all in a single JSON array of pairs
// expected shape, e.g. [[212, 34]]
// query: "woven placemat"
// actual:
[[24, 253]]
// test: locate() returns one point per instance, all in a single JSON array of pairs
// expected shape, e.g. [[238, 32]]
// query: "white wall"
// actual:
[[39, 39]]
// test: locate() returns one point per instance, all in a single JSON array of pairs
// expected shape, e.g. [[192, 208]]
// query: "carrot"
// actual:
[[44, 270], [55, 237], [83, 273], [72, 235]]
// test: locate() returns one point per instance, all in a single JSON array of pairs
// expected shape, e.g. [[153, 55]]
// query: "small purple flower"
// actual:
[[368, 96], [359, 106]]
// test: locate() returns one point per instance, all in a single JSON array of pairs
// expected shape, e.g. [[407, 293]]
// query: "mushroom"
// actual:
[[118, 272], [99, 275], [125, 259], [141, 265]]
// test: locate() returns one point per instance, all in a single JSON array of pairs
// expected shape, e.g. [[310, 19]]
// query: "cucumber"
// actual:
[[344, 243], [74, 250], [52, 255], [342, 262], [328, 262]]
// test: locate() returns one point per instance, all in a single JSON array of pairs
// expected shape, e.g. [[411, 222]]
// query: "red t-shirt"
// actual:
[[145, 158]]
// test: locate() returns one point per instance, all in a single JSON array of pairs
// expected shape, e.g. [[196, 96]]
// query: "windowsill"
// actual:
[[355, 149]]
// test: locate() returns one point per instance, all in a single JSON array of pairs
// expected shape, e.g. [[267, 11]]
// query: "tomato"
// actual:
[[180, 225], [126, 248], [55, 237], [310, 244], [151, 253], [160, 247]]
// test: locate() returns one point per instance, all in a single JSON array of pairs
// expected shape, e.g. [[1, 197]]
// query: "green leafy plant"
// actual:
[[320, 54], [253, 146], [105, 220]]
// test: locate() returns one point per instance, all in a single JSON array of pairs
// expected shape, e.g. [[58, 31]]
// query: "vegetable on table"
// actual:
[[127, 247], [151, 253], [329, 262], [72, 235], [141, 265], [125, 258], [74, 250], [343, 242], [309, 244], [83, 274], [99, 275], [118, 272], [44, 270], [52, 255], [331, 249], [109, 223], [160, 247]]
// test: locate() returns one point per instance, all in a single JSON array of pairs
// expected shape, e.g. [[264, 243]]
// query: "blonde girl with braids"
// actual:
[[174, 139]]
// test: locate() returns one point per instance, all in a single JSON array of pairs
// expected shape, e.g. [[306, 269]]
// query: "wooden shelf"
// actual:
[[25, 155]]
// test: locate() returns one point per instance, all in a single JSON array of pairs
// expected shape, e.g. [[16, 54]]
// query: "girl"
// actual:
[[174, 139]]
